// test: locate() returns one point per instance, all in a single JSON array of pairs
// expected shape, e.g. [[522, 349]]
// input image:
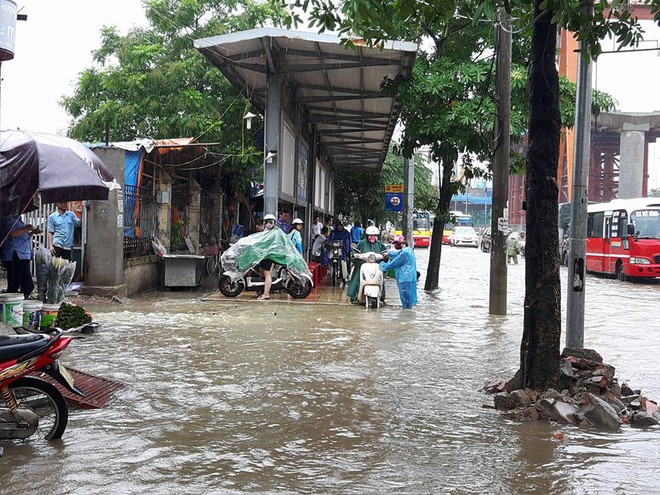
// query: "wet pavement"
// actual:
[[229, 397]]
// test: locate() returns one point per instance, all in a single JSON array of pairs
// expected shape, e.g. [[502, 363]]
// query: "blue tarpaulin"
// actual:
[[474, 200], [132, 170]]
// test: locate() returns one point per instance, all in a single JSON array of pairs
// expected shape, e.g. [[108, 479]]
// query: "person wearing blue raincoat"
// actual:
[[402, 260]]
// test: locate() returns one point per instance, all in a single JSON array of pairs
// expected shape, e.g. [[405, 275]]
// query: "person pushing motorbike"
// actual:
[[402, 260], [371, 243]]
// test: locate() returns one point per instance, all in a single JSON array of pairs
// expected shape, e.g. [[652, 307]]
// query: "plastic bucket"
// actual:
[[48, 315], [12, 309], [32, 314]]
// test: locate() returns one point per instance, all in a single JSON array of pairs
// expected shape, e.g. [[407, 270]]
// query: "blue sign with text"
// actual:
[[393, 201]]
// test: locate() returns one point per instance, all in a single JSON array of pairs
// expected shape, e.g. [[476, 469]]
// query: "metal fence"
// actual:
[[39, 218], [140, 222]]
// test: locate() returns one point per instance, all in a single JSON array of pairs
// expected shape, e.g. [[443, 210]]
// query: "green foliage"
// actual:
[[361, 195], [153, 83], [177, 236], [71, 316]]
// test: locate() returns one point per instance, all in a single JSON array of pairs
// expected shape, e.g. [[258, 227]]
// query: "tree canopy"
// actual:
[[153, 83]]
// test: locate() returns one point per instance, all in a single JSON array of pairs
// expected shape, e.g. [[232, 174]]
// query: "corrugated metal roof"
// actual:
[[338, 86]]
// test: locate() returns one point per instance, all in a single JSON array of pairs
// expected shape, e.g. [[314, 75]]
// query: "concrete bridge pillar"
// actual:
[[631, 163]]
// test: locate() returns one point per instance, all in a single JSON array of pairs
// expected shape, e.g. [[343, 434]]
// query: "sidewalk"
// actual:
[[322, 294]]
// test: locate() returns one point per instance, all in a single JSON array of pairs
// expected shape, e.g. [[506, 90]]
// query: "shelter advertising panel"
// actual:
[[302, 172], [324, 196], [287, 161], [317, 186]]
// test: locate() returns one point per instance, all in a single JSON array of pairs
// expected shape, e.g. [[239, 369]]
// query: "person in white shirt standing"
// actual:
[[316, 227]]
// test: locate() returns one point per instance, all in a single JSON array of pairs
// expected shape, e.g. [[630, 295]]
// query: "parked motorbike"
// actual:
[[337, 267], [371, 279], [32, 405], [283, 279]]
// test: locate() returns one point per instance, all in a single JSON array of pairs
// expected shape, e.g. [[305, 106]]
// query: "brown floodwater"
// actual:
[[275, 398]]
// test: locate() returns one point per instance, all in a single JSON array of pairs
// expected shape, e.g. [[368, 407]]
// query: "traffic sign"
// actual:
[[394, 201]]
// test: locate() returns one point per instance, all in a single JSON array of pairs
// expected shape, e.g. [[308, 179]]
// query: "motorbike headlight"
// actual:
[[371, 258], [639, 261]]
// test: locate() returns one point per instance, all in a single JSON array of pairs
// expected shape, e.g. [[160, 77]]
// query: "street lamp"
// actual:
[[248, 119]]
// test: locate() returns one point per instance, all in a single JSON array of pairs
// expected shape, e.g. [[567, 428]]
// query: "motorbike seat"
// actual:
[[14, 346]]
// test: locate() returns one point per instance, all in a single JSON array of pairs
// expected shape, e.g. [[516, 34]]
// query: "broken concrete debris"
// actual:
[[590, 396]]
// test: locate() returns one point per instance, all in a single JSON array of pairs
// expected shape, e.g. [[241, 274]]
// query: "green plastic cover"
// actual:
[[273, 244]]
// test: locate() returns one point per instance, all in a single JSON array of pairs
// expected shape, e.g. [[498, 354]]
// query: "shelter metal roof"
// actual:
[[338, 86]]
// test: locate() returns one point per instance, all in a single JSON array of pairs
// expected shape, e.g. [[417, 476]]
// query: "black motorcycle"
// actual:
[[282, 278], [334, 250]]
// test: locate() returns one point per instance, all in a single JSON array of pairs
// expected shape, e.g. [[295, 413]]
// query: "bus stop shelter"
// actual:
[[322, 104]]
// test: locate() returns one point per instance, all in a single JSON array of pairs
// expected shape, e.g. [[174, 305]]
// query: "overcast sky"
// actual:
[[54, 45]]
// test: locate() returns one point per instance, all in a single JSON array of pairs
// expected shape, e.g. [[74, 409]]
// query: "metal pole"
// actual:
[[577, 242], [408, 198], [271, 141], [498, 271]]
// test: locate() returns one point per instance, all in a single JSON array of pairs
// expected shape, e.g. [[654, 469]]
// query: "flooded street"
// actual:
[[278, 398]]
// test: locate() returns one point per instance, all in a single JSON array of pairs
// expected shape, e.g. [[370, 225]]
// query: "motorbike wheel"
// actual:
[[44, 400], [229, 288], [299, 289], [372, 302], [334, 273]]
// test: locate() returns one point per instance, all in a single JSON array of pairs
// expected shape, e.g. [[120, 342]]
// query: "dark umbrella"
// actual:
[[58, 168]]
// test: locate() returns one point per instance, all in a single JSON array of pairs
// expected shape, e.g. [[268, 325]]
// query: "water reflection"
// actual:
[[234, 398]]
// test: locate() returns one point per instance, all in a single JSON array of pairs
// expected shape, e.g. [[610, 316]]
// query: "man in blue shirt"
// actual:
[[16, 254], [60, 231], [356, 233]]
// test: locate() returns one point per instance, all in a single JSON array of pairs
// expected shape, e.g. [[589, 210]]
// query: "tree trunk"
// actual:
[[442, 211], [539, 351]]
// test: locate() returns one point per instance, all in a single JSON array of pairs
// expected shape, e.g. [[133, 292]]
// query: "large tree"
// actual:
[[437, 21]]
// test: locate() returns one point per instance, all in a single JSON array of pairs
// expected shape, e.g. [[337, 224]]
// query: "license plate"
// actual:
[[64, 372]]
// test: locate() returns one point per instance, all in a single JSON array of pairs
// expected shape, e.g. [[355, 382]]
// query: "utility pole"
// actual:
[[577, 241], [499, 223], [408, 198]]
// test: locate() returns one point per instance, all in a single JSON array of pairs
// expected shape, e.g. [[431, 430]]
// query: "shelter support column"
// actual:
[[631, 166], [271, 143], [194, 208]]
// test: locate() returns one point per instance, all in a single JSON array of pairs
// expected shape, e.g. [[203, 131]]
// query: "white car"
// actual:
[[464, 236]]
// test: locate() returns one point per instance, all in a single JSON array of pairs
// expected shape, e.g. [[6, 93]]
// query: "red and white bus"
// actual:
[[623, 238]]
